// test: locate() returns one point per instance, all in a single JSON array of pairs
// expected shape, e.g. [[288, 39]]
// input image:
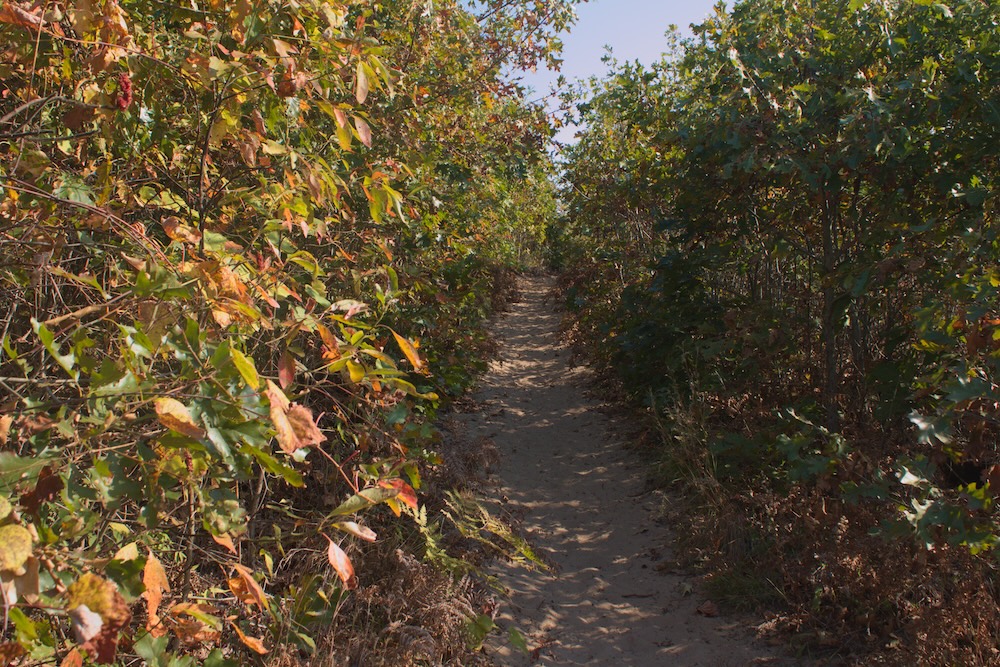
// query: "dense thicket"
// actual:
[[789, 230], [245, 250]]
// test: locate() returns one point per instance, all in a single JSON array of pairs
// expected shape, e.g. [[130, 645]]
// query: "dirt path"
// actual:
[[581, 498]]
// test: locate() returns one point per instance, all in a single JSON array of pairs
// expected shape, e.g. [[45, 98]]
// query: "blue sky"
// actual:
[[634, 29]]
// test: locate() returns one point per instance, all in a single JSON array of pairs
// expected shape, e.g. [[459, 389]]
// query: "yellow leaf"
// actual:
[[356, 370], [128, 552], [15, 547], [175, 416], [410, 350], [246, 368]]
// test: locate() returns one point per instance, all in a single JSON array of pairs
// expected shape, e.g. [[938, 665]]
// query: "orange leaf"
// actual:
[[410, 350], [175, 416], [225, 541], [154, 578], [406, 493], [341, 565], [246, 588], [73, 659], [252, 643]]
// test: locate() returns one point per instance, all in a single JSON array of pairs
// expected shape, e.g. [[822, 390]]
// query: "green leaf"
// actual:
[[364, 500], [66, 361]]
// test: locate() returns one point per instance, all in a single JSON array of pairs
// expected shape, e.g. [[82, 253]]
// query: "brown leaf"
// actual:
[[26, 585], [178, 231], [5, 424], [252, 643], [364, 131], [246, 588], [73, 659], [195, 622], [304, 426], [708, 609], [294, 424], [11, 651], [175, 416], [154, 577], [14, 15], [46, 489], [341, 565]]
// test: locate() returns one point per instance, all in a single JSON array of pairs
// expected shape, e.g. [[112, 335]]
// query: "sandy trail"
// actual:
[[582, 500]]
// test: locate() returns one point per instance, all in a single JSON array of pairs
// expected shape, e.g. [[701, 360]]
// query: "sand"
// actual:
[[611, 597]]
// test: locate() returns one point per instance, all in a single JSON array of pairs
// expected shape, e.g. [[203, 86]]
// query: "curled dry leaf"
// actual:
[[341, 565], [174, 415], [362, 532], [293, 423]]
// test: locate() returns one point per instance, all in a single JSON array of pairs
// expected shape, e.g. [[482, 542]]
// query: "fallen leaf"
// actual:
[[175, 416], [341, 565], [252, 643], [708, 609]]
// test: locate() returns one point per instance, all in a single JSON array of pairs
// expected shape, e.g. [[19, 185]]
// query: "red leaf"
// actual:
[[406, 493], [286, 369]]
